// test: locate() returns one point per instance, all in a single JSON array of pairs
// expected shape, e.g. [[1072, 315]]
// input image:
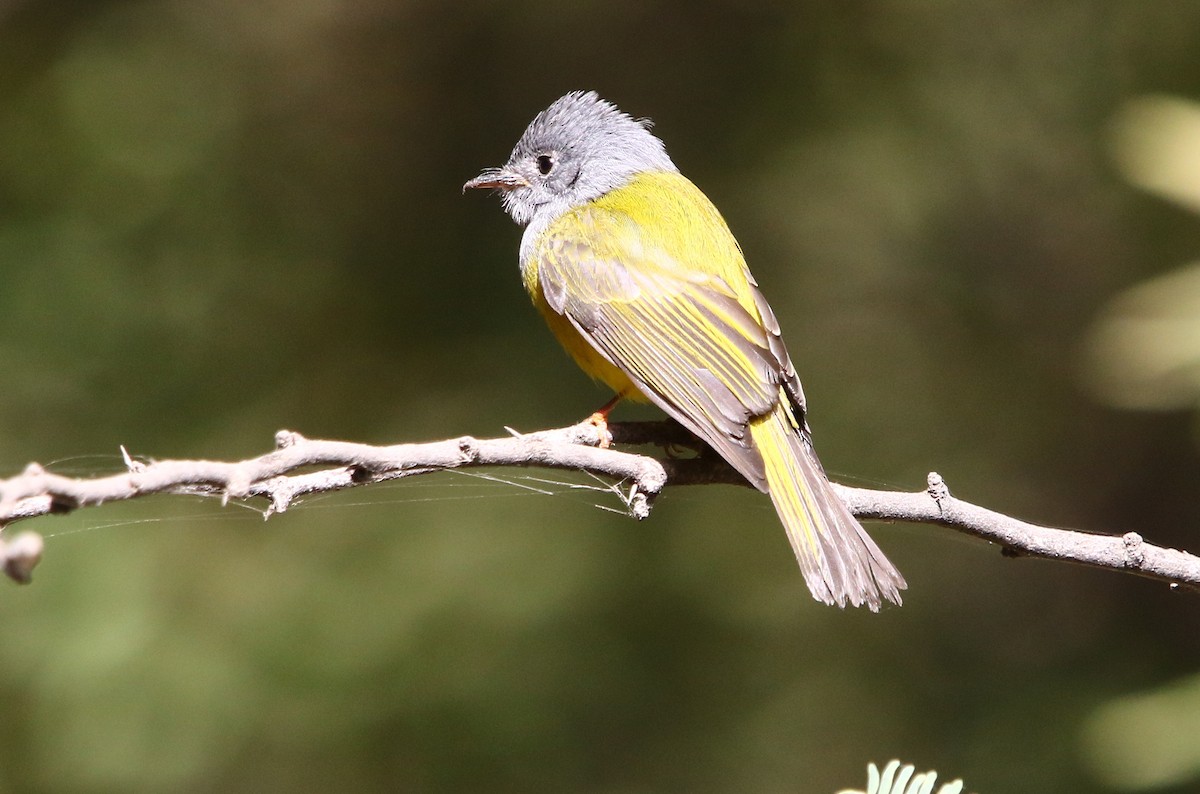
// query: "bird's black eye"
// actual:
[[545, 163]]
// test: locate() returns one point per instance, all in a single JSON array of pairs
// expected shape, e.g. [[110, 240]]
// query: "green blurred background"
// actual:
[[219, 218]]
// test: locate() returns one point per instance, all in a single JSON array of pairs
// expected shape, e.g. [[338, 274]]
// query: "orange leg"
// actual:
[[600, 419]]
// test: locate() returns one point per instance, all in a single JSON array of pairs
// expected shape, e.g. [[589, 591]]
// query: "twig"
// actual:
[[1128, 552], [299, 466]]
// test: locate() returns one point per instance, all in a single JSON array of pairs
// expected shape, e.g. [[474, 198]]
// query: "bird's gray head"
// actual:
[[576, 150]]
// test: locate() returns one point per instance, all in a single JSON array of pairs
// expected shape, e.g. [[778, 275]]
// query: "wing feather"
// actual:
[[680, 334]]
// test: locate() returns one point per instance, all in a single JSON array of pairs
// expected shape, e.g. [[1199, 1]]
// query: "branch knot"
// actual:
[[938, 490], [20, 556], [1135, 552], [287, 438], [468, 447]]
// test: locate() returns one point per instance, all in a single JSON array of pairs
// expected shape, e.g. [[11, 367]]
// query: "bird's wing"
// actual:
[[681, 334]]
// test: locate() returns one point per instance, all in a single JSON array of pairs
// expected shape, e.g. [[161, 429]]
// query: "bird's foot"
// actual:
[[600, 421]]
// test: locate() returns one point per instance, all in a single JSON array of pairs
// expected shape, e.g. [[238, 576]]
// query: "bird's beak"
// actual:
[[499, 178]]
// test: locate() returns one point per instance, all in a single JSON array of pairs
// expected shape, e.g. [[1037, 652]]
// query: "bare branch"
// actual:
[[1128, 552], [299, 466]]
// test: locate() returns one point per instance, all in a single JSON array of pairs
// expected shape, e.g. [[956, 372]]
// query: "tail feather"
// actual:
[[840, 562]]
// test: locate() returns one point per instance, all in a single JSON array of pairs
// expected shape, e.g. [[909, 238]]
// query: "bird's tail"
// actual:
[[840, 562]]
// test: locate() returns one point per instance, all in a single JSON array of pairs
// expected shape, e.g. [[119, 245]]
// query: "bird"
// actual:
[[641, 280]]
